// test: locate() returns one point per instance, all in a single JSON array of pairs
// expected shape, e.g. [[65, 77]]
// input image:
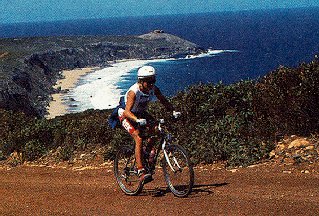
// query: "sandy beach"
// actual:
[[56, 106], [100, 92]]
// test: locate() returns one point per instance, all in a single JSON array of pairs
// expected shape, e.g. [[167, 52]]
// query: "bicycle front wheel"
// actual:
[[125, 171], [178, 170]]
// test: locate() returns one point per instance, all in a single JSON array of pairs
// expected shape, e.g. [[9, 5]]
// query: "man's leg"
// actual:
[[138, 149], [144, 177]]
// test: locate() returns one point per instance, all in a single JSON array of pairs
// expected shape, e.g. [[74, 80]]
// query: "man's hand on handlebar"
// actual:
[[176, 114], [141, 122]]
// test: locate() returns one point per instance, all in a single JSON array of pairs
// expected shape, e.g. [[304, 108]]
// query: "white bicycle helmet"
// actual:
[[145, 72]]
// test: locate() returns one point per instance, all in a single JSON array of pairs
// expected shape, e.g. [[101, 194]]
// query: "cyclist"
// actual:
[[136, 100]]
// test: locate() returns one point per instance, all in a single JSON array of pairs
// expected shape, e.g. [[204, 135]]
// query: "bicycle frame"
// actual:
[[163, 144]]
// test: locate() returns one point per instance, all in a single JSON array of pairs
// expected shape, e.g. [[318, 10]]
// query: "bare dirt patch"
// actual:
[[266, 189]]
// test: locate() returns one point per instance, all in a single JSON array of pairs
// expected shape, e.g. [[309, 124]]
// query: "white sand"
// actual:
[[100, 90], [56, 106]]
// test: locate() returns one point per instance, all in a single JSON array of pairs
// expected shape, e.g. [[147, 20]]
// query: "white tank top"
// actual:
[[141, 99]]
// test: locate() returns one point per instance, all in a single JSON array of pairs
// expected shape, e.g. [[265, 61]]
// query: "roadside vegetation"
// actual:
[[238, 124]]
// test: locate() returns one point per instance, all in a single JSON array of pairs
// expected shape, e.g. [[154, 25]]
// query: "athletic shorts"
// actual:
[[131, 126]]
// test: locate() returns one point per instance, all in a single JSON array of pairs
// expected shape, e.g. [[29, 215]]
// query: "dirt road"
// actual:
[[266, 189]]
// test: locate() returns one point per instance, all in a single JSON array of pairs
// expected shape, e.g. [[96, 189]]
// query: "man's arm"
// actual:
[[162, 99], [129, 105]]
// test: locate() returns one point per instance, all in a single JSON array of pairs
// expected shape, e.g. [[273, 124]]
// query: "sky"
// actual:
[[13, 11]]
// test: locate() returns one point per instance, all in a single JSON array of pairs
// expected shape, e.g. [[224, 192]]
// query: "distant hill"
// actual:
[[161, 35], [29, 67]]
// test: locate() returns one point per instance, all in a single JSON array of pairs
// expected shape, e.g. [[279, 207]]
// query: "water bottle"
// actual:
[[151, 157]]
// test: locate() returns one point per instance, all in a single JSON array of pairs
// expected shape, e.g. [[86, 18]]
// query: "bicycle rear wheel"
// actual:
[[125, 171], [178, 171]]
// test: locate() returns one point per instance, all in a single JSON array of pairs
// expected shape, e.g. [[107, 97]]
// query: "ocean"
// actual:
[[243, 44]]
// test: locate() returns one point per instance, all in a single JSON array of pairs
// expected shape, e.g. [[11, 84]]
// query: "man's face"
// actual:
[[149, 83]]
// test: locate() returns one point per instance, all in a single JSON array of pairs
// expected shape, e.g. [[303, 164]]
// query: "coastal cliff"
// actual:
[[29, 67]]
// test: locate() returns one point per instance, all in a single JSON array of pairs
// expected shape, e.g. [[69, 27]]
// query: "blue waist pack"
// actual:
[[114, 118]]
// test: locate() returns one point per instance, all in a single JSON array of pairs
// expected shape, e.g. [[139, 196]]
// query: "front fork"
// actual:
[[164, 143]]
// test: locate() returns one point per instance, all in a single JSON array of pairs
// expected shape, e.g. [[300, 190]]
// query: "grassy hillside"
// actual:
[[236, 123]]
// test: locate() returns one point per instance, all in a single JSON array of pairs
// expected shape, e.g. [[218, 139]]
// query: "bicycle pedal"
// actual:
[[147, 180]]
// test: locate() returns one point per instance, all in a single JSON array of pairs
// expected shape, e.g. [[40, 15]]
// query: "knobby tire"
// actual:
[[181, 180], [125, 171]]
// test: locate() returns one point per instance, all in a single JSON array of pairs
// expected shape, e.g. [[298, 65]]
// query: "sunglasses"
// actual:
[[151, 81]]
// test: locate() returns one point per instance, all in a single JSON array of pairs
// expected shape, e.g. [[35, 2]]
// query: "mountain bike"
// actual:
[[174, 160]]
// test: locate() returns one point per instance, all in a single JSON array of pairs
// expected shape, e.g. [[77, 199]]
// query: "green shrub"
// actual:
[[65, 153], [33, 150], [2, 156], [287, 98], [120, 137]]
